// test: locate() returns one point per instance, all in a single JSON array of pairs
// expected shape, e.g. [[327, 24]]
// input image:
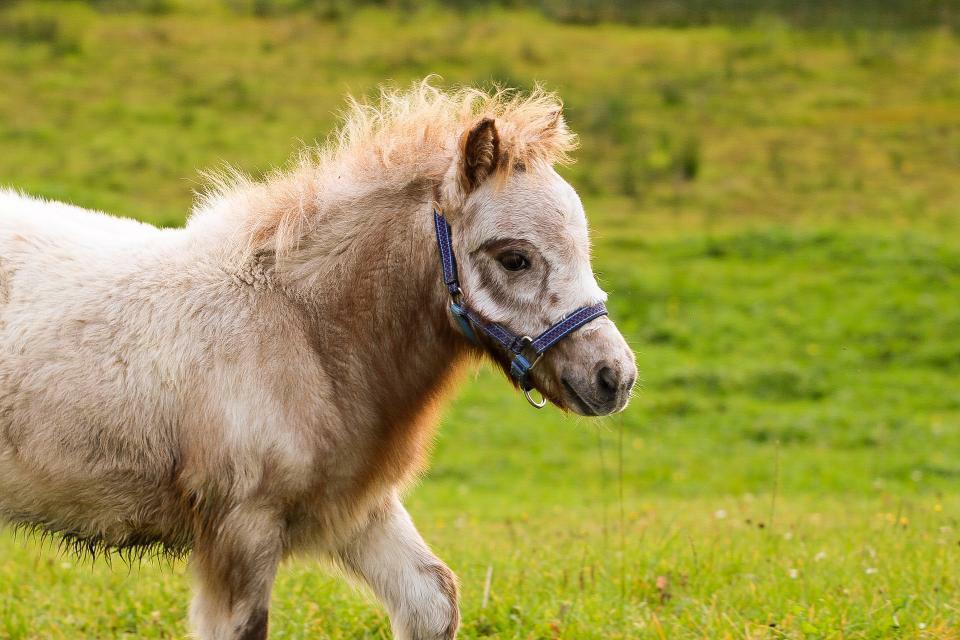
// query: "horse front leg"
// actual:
[[234, 566], [419, 591]]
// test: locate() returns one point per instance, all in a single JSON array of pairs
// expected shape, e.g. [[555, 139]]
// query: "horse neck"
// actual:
[[379, 308]]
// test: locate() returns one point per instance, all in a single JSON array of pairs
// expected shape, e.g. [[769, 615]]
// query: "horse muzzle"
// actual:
[[593, 372]]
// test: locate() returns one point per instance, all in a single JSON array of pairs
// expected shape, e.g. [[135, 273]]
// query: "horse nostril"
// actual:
[[608, 384]]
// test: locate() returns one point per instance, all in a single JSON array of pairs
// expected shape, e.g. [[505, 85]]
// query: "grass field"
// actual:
[[776, 218]]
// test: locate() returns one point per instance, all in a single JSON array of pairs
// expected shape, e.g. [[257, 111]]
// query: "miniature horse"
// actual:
[[265, 380]]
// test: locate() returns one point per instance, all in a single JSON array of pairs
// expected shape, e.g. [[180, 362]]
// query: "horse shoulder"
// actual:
[[254, 418]]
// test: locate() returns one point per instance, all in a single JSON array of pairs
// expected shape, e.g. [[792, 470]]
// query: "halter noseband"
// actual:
[[525, 352]]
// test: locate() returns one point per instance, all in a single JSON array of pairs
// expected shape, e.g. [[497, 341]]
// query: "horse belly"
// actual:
[[70, 461], [76, 461], [107, 511]]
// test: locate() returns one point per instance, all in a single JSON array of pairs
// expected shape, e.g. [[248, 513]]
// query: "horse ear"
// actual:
[[479, 153]]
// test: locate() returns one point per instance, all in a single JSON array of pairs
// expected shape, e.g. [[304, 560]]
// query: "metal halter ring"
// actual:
[[534, 403]]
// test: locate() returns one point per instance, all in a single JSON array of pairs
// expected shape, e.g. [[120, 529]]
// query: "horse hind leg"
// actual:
[[234, 568]]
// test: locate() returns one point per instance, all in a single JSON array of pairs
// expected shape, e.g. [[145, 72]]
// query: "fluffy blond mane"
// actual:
[[402, 126], [401, 137]]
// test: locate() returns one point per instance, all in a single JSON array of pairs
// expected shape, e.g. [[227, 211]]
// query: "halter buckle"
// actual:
[[524, 360], [520, 368], [526, 350]]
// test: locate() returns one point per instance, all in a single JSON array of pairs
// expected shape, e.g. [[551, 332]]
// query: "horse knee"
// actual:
[[435, 615], [450, 615]]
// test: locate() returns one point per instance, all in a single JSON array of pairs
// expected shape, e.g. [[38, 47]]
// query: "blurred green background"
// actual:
[[774, 192]]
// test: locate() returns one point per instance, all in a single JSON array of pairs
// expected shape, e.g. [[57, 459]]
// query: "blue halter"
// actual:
[[524, 351]]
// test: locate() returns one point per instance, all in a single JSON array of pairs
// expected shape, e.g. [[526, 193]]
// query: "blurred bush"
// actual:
[[670, 13], [767, 118]]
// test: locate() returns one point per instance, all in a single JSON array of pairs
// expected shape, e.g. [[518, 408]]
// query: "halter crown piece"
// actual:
[[525, 352]]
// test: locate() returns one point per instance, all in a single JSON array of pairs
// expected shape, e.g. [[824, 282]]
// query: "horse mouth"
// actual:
[[579, 404]]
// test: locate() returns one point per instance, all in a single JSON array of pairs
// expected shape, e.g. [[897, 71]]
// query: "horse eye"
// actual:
[[514, 261]]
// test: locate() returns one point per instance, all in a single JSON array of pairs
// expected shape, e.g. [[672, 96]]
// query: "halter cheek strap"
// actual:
[[524, 351]]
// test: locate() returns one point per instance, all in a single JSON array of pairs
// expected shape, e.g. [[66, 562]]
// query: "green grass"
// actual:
[[775, 214]]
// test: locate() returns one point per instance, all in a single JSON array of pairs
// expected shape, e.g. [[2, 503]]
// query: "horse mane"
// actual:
[[397, 139]]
